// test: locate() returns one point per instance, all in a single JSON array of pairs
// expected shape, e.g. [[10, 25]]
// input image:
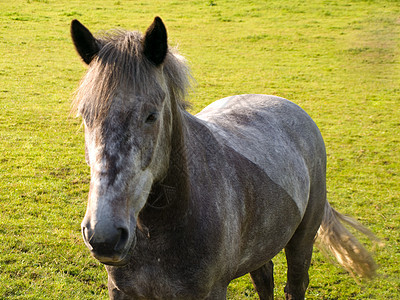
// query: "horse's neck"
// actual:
[[178, 172]]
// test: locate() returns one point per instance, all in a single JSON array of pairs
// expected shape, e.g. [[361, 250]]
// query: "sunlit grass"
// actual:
[[339, 60]]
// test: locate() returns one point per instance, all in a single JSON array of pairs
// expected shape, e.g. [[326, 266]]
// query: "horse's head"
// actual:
[[124, 100]]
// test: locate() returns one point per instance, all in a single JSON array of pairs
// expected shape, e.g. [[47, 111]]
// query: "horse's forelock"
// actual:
[[121, 67]]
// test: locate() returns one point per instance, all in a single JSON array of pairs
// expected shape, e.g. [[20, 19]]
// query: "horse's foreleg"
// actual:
[[263, 281]]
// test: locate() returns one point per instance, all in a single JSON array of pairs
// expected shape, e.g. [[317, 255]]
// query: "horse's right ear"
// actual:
[[155, 44], [84, 41]]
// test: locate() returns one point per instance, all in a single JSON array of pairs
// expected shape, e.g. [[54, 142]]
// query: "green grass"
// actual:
[[338, 59]]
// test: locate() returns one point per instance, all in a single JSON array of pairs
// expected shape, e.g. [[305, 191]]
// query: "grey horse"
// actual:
[[180, 205]]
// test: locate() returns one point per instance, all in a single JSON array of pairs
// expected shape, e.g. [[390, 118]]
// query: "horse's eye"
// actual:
[[151, 118]]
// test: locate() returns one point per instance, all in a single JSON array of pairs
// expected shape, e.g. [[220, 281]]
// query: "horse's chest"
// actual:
[[164, 273], [153, 281]]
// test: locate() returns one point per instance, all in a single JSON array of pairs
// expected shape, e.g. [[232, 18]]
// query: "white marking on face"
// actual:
[[133, 188]]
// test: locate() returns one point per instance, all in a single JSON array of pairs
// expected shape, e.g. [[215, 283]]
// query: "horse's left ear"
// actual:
[[155, 44]]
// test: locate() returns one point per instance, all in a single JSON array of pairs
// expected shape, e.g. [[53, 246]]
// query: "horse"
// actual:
[[179, 205]]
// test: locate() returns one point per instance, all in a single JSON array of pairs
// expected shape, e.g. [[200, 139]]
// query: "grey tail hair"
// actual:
[[335, 238]]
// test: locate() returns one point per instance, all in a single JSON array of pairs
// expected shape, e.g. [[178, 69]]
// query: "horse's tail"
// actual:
[[335, 237]]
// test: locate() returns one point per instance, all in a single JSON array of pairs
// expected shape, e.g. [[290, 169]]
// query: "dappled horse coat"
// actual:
[[179, 205]]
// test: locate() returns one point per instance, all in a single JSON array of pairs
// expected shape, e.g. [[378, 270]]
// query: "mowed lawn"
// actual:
[[338, 59]]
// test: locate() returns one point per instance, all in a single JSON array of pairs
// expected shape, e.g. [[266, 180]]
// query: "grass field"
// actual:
[[338, 59]]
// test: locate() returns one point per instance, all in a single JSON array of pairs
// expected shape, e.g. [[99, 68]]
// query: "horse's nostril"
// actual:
[[123, 239], [86, 237]]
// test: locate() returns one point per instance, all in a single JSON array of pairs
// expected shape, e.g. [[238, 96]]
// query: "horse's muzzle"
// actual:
[[107, 243]]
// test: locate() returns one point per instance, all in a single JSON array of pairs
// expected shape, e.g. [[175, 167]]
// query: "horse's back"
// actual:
[[273, 133]]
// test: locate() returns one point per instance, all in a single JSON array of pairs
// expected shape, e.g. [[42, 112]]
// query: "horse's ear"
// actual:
[[84, 42], [155, 45]]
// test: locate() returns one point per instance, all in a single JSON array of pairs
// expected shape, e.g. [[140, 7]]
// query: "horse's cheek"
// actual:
[[147, 154]]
